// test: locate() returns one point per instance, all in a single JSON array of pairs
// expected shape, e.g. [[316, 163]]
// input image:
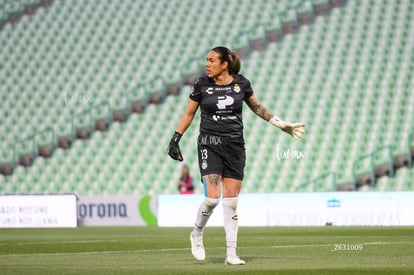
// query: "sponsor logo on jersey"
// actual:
[[217, 117], [224, 101], [209, 91], [227, 88], [236, 88]]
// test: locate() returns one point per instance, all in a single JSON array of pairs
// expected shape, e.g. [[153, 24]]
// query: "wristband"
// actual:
[[276, 118], [176, 138]]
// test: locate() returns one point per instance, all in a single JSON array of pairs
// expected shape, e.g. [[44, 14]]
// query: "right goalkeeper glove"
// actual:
[[296, 130], [173, 148]]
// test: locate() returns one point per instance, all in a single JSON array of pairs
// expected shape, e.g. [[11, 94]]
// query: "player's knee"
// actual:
[[230, 202], [211, 203]]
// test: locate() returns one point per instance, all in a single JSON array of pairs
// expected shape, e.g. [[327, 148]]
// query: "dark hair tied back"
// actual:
[[232, 59]]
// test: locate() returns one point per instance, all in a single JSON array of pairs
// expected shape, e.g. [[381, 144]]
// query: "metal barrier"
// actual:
[[32, 138], [195, 60], [89, 112], [144, 92], [371, 157], [3, 8], [248, 34], [84, 112], [410, 152], [316, 180]]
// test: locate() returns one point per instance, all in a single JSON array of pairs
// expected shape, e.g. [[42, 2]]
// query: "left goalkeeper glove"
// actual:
[[296, 130], [173, 148]]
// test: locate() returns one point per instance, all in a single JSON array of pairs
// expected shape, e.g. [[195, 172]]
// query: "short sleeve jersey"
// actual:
[[222, 105]]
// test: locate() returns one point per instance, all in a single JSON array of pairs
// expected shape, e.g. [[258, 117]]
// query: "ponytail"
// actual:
[[232, 59], [235, 68]]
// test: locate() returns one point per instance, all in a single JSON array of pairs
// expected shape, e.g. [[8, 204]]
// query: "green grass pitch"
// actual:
[[152, 250]]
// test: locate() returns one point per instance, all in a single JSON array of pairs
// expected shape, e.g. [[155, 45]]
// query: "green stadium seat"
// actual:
[[326, 75]]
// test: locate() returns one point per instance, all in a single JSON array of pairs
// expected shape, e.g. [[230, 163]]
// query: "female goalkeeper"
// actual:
[[221, 152]]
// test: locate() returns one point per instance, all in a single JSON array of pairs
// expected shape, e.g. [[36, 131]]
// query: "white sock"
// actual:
[[231, 225], [203, 214]]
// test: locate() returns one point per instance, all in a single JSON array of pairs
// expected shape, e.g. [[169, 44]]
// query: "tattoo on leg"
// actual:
[[214, 179]]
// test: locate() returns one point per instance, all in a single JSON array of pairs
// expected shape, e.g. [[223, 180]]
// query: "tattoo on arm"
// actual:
[[262, 112], [259, 109], [214, 179]]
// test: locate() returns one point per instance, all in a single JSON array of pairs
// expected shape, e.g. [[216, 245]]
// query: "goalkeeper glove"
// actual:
[[173, 148], [296, 130]]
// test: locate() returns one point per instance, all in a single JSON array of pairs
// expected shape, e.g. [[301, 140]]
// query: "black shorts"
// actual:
[[221, 155]]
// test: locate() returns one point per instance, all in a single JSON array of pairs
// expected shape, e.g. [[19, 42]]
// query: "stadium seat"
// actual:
[[348, 76]]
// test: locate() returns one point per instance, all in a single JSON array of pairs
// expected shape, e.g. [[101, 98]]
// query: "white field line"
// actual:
[[96, 252], [66, 242], [182, 249]]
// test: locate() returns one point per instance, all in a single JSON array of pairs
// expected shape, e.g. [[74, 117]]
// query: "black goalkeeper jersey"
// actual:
[[221, 106]]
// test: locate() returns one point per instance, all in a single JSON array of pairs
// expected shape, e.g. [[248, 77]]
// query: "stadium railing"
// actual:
[[28, 159], [371, 157], [316, 182], [86, 129], [10, 7], [255, 38], [142, 94], [13, 10], [375, 171], [191, 70], [410, 149], [258, 36]]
